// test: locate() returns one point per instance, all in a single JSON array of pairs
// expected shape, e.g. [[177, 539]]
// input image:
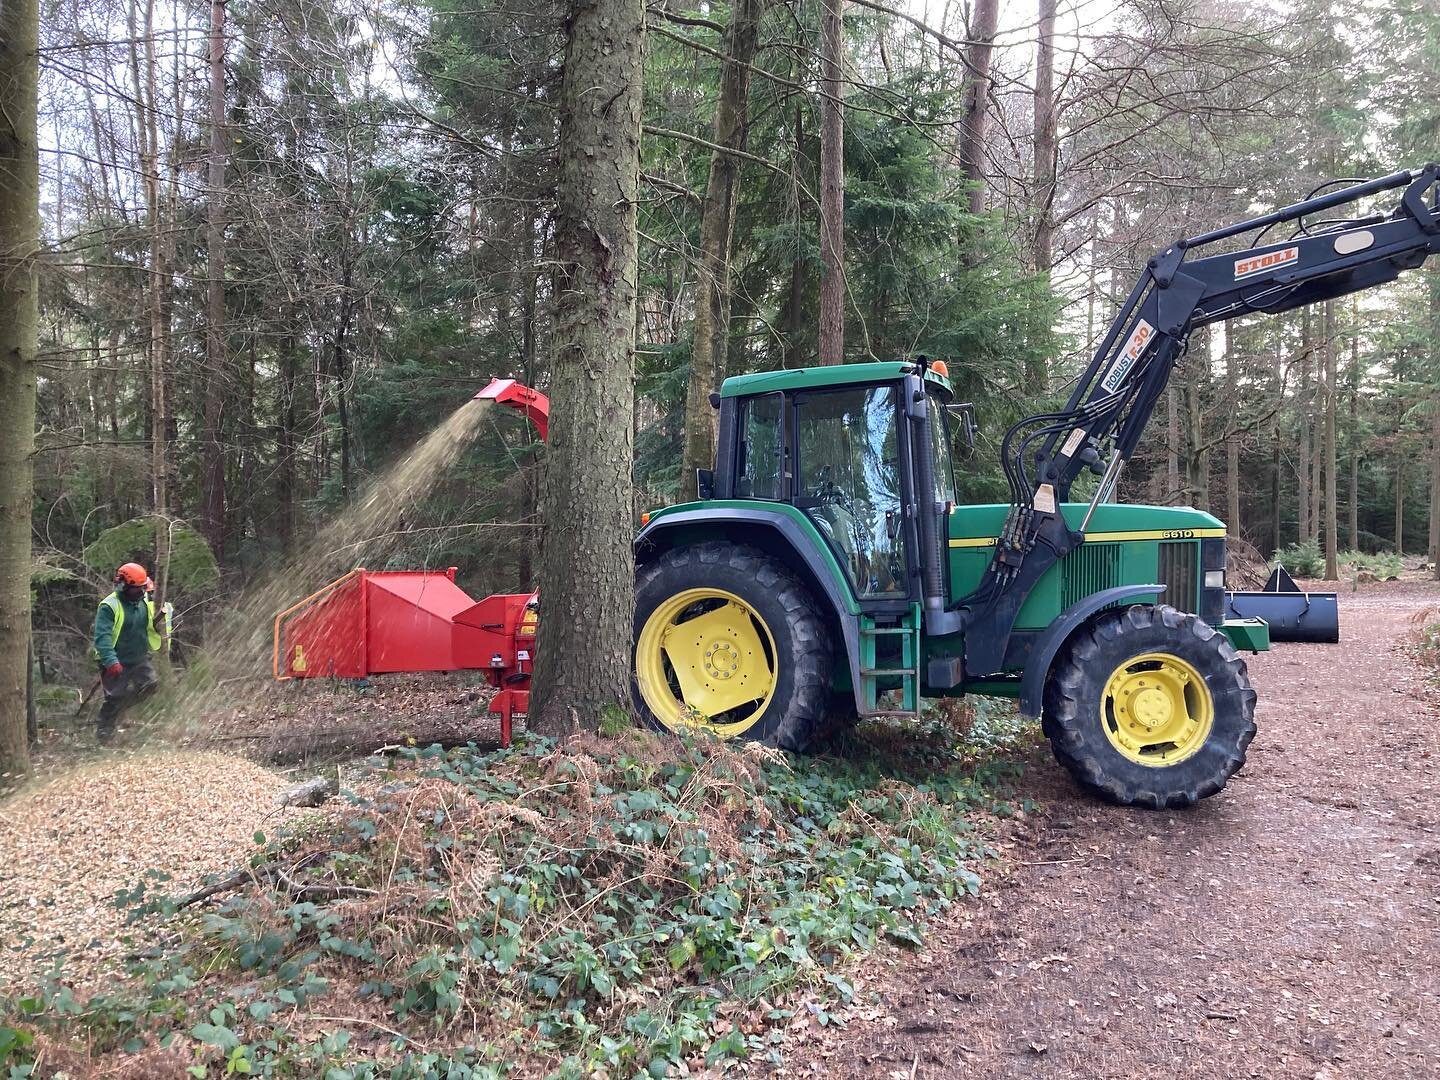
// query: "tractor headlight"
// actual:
[[1214, 579]]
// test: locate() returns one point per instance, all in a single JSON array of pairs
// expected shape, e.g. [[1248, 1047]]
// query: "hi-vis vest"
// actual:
[[113, 603]]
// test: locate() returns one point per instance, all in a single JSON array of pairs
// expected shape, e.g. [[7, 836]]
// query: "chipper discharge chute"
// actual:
[[1292, 613]]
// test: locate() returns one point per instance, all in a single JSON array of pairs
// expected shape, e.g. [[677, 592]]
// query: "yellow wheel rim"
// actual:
[[1157, 709], [705, 658]]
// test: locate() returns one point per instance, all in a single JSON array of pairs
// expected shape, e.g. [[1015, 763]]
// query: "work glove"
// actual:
[[115, 669]]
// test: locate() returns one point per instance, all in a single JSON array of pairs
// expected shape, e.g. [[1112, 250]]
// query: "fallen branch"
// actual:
[[280, 873], [280, 746], [319, 892], [225, 884]]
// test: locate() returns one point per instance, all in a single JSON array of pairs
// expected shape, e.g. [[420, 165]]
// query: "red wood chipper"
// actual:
[[380, 622]]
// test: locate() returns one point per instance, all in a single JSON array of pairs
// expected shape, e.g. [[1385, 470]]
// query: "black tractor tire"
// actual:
[[795, 718], [1074, 702]]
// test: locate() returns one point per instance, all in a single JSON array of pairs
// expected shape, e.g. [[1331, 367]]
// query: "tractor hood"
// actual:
[[1111, 521]]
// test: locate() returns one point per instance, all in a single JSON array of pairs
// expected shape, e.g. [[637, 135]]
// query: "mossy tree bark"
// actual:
[[19, 326], [587, 568], [708, 357]]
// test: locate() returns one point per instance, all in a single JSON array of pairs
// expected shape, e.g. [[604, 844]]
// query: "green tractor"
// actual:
[[828, 568]]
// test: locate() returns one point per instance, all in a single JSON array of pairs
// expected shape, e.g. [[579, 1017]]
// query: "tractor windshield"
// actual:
[[848, 444]]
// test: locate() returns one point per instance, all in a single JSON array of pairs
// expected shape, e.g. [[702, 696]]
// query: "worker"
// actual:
[[126, 633]]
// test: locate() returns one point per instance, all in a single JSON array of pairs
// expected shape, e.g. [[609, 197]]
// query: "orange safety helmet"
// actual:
[[132, 573]]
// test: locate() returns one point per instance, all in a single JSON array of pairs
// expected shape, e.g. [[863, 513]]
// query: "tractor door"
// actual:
[[849, 477]]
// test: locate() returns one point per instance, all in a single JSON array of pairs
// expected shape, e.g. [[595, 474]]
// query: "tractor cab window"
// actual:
[[848, 450], [758, 474], [941, 440]]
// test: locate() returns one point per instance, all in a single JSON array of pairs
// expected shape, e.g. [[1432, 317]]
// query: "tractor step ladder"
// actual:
[[902, 662]]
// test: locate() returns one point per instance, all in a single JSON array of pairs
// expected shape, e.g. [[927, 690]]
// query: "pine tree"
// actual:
[[587, 567], [19, 319]]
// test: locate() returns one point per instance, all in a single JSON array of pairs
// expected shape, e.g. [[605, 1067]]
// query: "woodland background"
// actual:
[[284, 239]]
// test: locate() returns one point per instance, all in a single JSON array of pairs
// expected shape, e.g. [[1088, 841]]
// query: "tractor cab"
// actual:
[[862, 451]]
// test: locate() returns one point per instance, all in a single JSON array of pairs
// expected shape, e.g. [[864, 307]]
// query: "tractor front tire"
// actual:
[[729, 640], [1149, 706]]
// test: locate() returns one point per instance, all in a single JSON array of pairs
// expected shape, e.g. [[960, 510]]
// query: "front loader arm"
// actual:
[[1111, 405]]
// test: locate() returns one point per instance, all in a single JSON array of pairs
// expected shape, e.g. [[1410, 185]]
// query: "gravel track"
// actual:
[[1288, 927]]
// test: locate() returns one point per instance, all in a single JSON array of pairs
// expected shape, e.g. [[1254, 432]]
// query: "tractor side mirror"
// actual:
[[964, 414]]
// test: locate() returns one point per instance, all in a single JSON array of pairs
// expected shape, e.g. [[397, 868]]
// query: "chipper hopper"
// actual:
[[378, 622]]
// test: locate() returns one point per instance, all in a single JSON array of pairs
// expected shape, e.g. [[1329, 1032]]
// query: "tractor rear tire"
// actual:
[[1149, 706], [792, 676]]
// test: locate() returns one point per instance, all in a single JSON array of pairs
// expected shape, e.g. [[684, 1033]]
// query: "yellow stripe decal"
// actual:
[[1110, 537]]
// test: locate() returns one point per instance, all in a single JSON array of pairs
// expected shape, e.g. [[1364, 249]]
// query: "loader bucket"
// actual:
[[1293, 615]]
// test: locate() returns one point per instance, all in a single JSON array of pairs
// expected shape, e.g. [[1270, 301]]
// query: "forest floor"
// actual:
[[1288, 927]]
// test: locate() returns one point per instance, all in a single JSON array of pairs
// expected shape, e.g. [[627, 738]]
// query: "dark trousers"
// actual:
[[123, 690]]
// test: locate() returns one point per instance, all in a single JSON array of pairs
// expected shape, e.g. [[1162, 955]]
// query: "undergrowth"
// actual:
[[627, 907], [1306, 559]]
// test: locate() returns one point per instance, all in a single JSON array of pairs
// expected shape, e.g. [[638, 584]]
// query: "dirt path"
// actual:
[[1289, 927]]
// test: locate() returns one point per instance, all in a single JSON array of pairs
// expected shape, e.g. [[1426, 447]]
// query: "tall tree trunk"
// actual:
[[1172, 441], [1354, 430], [287, 443], [832, 182], [19, 329], [1332, 515], [32, 712], [1197, 456], [1276, 516], [971, 150], [1399, 503], [159, 317], [794, 307], [1434, 537], [1304, 402], [1232, 438], [217, 375], [708, 357], [1046, 150], [1046, 140], [587, 568]]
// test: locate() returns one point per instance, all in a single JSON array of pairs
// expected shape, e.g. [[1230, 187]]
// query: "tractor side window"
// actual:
[[758, 475], [941, 441], [848, 449]]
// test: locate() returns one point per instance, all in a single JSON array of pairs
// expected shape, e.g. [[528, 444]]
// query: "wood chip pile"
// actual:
[[68, 846]]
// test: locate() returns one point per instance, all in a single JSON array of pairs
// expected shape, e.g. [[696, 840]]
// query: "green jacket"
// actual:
[[125, 632]]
